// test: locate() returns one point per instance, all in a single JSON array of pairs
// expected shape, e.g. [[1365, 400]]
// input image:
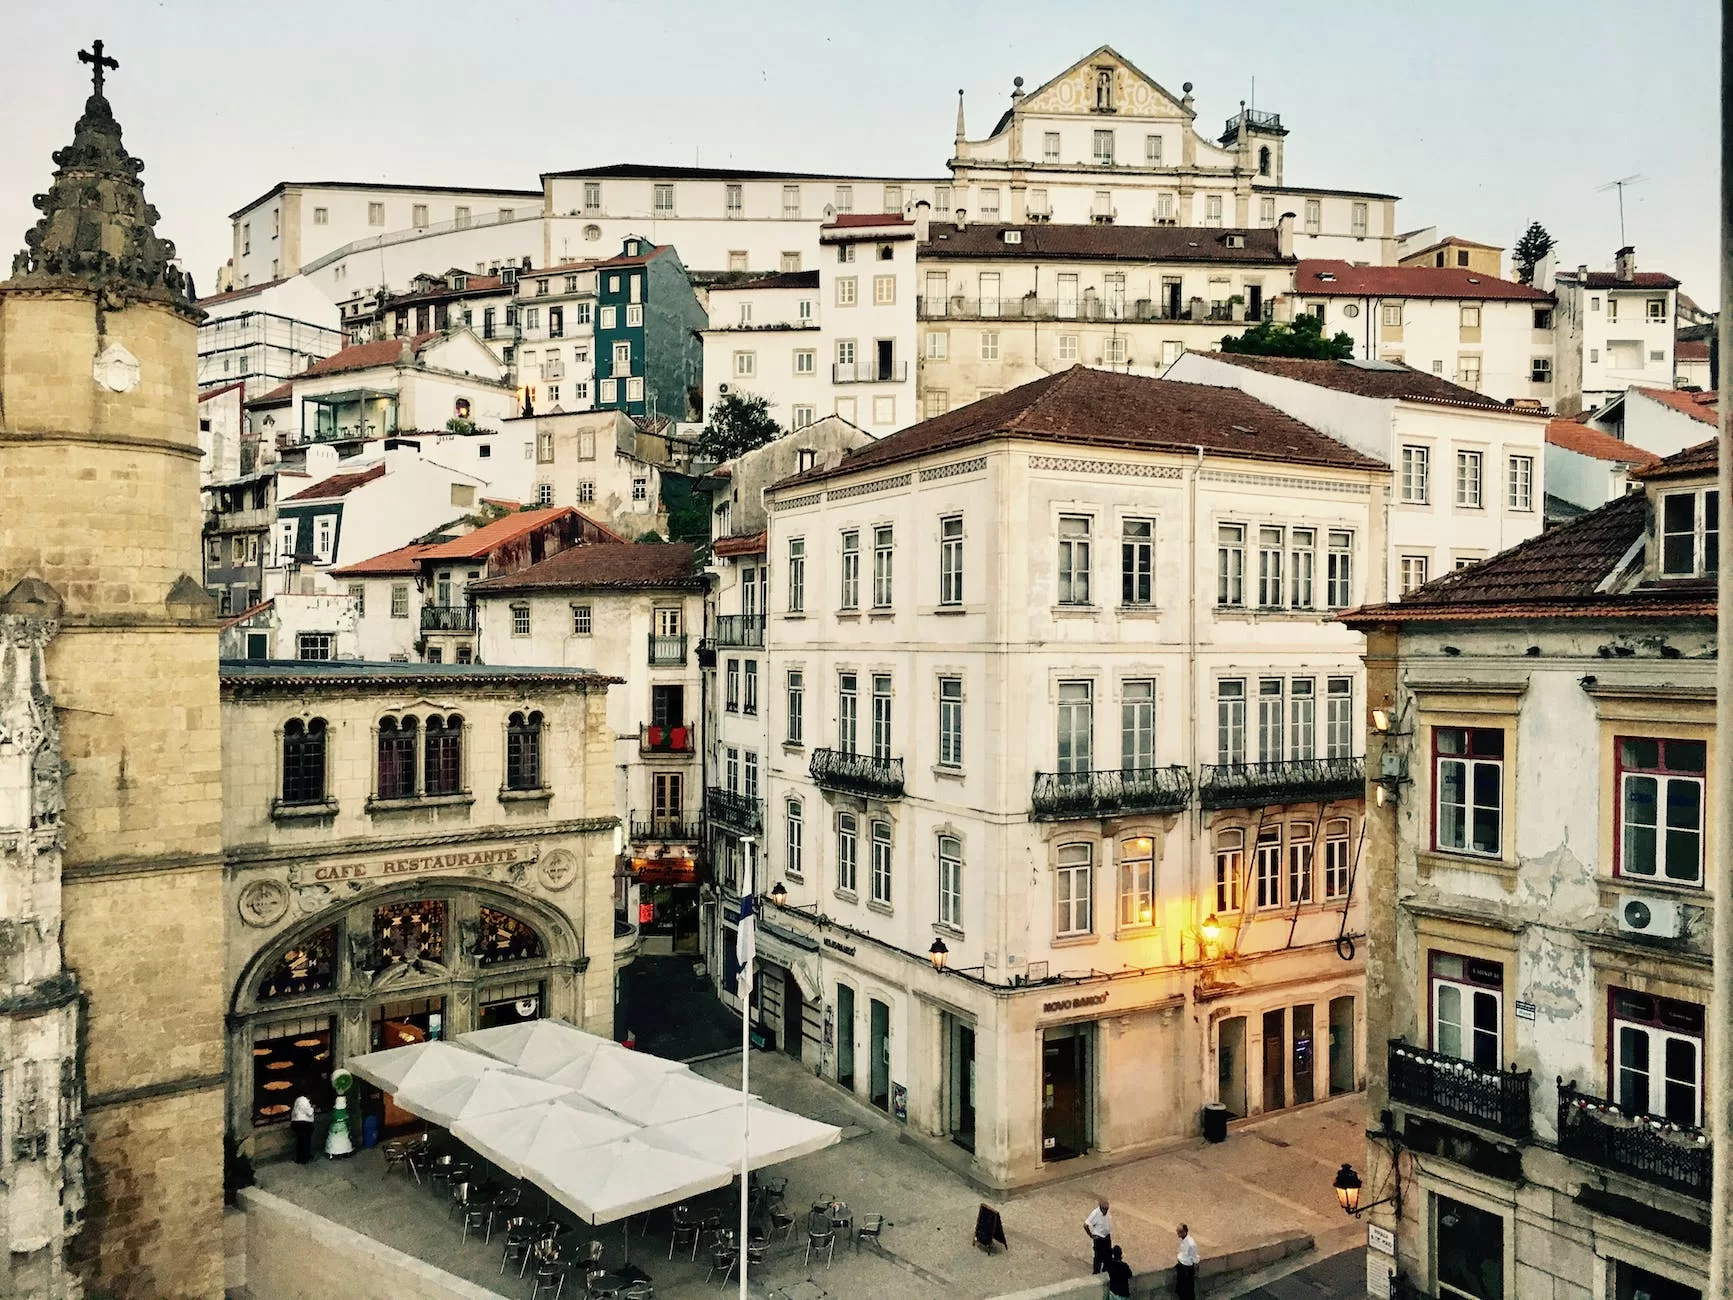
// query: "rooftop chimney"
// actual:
[[1285, 234], [1625, 263], [923, 214]]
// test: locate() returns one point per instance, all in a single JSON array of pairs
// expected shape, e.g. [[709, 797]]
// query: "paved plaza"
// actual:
[[1270, 1179]]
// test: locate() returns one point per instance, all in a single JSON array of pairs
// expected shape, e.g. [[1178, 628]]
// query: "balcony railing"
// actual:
[[1598, 1132], [1108, 793], [1489, 1098], [1254, 118], [1297, 780], [1135, 311], [867, 372], [666, 739], [735, 811], [667, 651], [653, 828], [447, 618], [740, 630], [862, 774]]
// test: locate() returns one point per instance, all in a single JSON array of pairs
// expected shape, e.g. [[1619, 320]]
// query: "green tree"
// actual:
[[1304, 338], [1534, 245], [738, 423]]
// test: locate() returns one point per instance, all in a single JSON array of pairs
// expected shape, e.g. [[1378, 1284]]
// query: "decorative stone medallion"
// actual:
[[116, 369], [264, 903], [557, 870]]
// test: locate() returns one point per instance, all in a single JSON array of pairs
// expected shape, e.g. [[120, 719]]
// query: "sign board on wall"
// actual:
[[1377, 1275], [1379, 1239], [900, 1102]]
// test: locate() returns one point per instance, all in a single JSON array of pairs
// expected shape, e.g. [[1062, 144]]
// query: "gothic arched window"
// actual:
[[304, 760], [523, 751], [397, 758], [505, 938], [1264, 160], [442, 773], [306, 968]]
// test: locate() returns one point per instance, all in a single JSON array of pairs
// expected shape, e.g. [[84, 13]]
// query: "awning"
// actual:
[[553, 1132], [432, 1061], [776, 1135]]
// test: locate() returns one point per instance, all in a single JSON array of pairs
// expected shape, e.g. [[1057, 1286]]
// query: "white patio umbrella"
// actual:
[[776, 1135], [632, 1086], [624, 1177], [552, 1131], [537, 1047], [397, 1067], [447, 1101]]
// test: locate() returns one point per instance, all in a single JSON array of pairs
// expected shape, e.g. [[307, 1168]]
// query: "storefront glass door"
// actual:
[[1275, 1059], [879, 1049], [845, 1036], [1341, 1046], [959, 1080], [1303, 1085], [1231, 1065], [1065, 1091]]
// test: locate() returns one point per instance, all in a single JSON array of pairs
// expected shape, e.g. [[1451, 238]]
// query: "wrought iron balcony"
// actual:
[[447, 618], [869, 372], [745, 630], [667, 651], [1489, 1098], [1109, 793], [1297, 780], [862, 774], [1678, 1157], [653, 828], [735, 811], [666, 738]]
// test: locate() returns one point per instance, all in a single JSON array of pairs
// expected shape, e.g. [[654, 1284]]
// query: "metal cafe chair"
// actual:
[[870, 1227], [520, 1235], [781, 1221], [723, 1256], [405, 1153], [551, 1276], [686, 1231], [820, 1236]]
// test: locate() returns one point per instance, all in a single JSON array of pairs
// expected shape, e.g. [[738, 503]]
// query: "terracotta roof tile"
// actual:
[[1610, 280], [404, 560], [622, 566], [745, 544], [1586, 441], [784, 280], [1691, 349], [1693, 461], [232, 295], [366, 356], [338, 485], [278, 396], [1388, 380], [1323, 279], [209, 393], [1102, 243], [487, 538], [1699, 406]]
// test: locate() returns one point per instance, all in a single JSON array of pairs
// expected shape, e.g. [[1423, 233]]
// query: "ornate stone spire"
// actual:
[[96, 230]]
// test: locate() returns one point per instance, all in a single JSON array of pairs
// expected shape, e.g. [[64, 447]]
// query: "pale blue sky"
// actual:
[[1482, 115]]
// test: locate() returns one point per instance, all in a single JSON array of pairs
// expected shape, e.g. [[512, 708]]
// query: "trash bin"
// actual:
[[370, 1131], [1215, 1122]]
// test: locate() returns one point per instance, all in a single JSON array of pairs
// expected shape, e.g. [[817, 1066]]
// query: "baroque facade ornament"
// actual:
[[263, 903]]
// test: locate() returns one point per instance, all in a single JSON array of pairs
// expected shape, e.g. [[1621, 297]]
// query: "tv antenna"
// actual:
[[1635, 178]]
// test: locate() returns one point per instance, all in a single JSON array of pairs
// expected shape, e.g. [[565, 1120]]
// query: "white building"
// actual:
[[1617, 330], [1492, 336], [1049, 692], [775, 322], [1691, 367], [592, 460], [1660, 421], [485, 303], [1469, 471], [1586, 468], [554, 314], [262, 335]]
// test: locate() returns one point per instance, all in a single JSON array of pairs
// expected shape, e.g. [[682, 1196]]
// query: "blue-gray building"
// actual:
[[649, 353]]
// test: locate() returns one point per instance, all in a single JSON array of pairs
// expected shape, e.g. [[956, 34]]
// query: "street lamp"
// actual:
[[1347, 1185], [1211, 929], [779, 893], [939, 954]]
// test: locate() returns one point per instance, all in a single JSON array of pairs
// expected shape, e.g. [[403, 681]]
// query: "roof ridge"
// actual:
[[1055, 383]]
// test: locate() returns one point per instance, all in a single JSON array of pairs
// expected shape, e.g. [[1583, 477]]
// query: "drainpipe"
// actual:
[[1191, 674]]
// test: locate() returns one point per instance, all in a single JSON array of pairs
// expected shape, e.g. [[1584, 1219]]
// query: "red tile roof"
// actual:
[[1693, 461], [1699, 406], [218, 392], [868, 219], [1593, 442], [636, 259], [367, 356], [1389, 380], [1099, 408], [783, 280], [401, 561], [1102, 243], [484, 540], [746, 544], [338, 485], [231, 295], [1691, 349], [1324, 278], [623, 566], [278, 396], [1610, 280], [1456, 241]]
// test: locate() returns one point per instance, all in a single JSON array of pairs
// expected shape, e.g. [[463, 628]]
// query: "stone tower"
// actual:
[[109, 707]]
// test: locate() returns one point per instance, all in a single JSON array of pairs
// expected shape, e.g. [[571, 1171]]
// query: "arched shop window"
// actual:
[[306, 968], [505, 938], [290, 1057], [412, 932]]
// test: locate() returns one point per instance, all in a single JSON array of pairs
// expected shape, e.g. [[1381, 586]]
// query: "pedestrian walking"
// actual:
[[1185, 1270], [301, 1120], [1118, 1275], [1099, 1226]]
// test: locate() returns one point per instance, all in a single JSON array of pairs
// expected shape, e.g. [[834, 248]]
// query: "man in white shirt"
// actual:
[[1185, 1270], [301, 1120], [1099, 1226]]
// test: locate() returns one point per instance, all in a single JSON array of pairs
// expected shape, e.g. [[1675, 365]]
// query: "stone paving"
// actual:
[[1271, 1178]]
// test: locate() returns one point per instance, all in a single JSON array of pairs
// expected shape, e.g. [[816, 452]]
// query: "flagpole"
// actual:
[[747, 942]]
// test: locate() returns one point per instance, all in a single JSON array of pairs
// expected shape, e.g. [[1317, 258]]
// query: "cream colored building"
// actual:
[[1048, 691], [410, 852], [1539, 870]]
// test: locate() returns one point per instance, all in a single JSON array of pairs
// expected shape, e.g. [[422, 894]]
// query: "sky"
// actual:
[[1482, 115]]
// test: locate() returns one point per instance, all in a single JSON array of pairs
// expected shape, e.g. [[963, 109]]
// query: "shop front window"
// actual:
[[505, 938], [306, 968], [410, 933], [290, 1058]]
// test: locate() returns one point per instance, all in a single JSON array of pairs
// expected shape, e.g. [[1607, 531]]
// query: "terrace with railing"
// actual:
[[862, 774], [1111, 792], [1487, 1097], [1294, 780], [448, 618], [667, 651], [744, 630], [1678, 1157], [738, 812], [666, 738]]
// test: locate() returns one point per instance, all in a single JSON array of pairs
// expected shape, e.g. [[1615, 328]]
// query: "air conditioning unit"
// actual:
[[1654, 917], [722, 389]]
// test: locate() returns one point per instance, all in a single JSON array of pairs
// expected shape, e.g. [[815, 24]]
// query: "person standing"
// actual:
[[301, 1120], [1099, 1226], [1118, 1275], [1185, 1269]]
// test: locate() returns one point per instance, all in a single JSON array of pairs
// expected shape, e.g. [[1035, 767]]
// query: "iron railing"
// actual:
[[447, 618], [1677, 1157], [1254, 117], [735, 811], [666, 738], [745, 630], [1490, 1098], [1088, 308], [667, 651], [651, 828], [1110, 792], [862, 774], [1295, 780], [868, 372]]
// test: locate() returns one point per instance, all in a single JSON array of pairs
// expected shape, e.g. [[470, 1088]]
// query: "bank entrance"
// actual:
[[1067, 1102]]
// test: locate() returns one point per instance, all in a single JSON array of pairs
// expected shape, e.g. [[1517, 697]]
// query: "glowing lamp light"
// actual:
[[939, 954], [1347, 1185], [1211, 929], [779, 893], [1380, 720]]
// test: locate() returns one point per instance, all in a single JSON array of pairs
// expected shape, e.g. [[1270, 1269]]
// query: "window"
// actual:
[[313, 645], [376, 214], [544, 494], [1300, 847], [1115, 355], [634, 315], [803, 416], [1470, 316], [1137, 726], [1339, 718], [1267, 867], [806, 362], [1416, 462], [1103, 149], [396, 758], [788, 263], [1271, 545], [1231, 722], [1357, 220], [796, 574], [1391, 314], [1519, 481], [1468, 472], [1137, 562], [606, 317], [1050, 146], [1213, 210], [1302, 543], [1302, 717], [1272, 693], [938, 345], [1230, 869], [950, 722], [749, 783], [847, 852], [883, 554], [845, 291], [586, 491], [881, 879], [1468, 796], [989, 345], [791, 202], [847, 712], [1540, 371], [1068, 347], [1074, 559], [990, 204], [1341, 569], [731, 769], [935, 402], [745, 365], [321, 216], [400, 600], [1076, 732], [732, 695], [580, 620], [1314, 216], [1136, 883], [845, 359], [951, 560], [795, 692], [520, 620], [304, 761], [1661, 788], [749, 702], [881, 717], [1231, 565], [1337, 858], [884, 290], [1467, 1008], [1658, 1056], [1690, 533], [443, 767], [1413, 572], [1657, 309], [523, 751], [733, 203], [1266, 212], [850, 597], [1073, 889], [1152, 150]]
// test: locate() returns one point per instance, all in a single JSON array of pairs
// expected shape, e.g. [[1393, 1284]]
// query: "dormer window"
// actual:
[[1690, 529]]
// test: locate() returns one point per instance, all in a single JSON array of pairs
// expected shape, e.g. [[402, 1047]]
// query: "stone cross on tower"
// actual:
[[98, 61]]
